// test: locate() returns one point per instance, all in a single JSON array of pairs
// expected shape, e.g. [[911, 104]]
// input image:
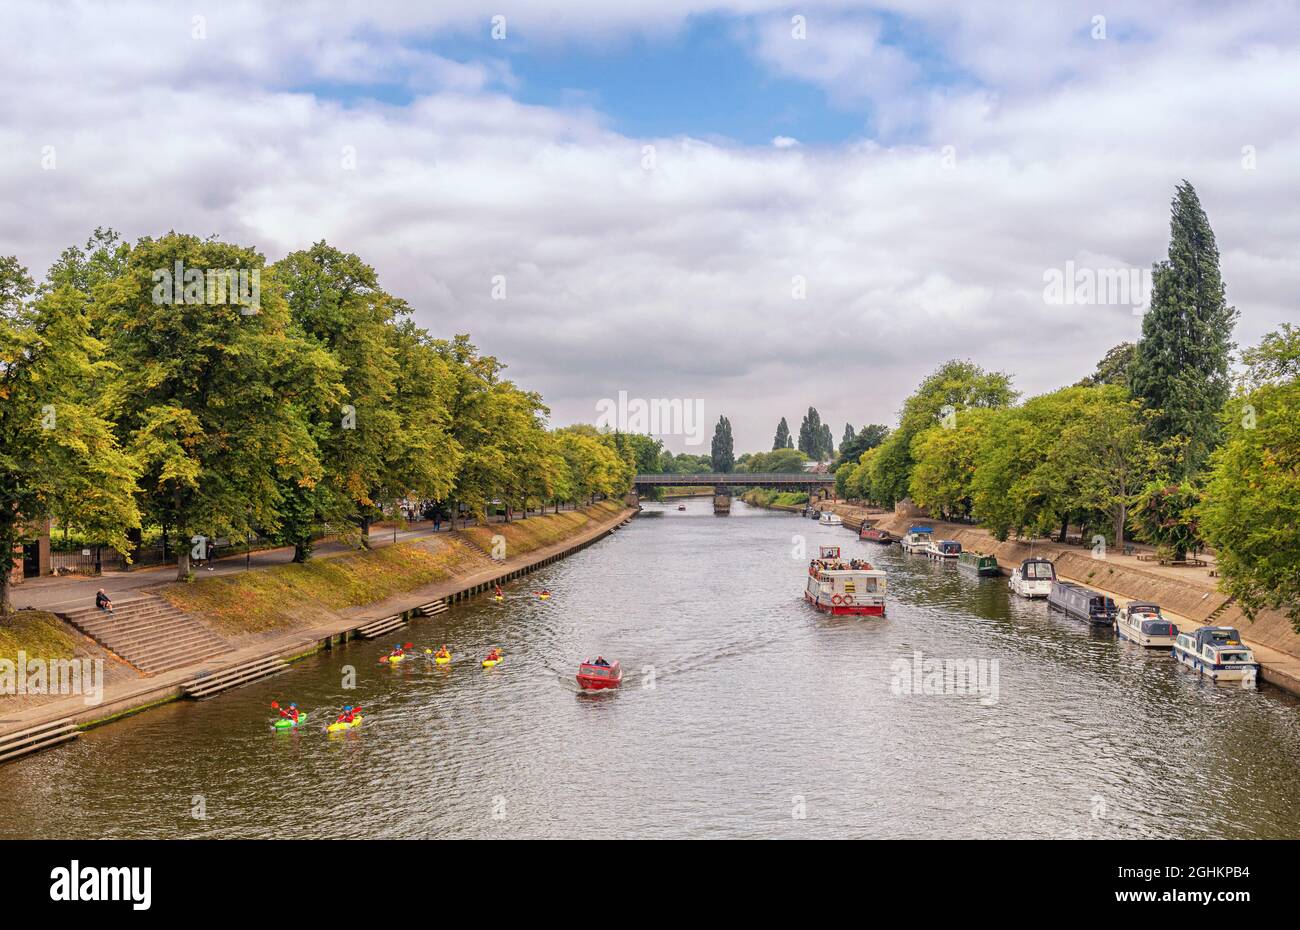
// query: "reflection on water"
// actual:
[[743, 713]]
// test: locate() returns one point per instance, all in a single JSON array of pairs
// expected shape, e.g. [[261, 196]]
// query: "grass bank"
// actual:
[[525, 536], [286, 596], [766, 497], [39, 634]]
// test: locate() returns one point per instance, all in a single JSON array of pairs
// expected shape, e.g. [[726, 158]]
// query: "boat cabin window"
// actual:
[[1232, 657], [1039, 571]]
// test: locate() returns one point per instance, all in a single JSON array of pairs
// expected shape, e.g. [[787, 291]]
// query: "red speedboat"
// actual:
[[593, 677]]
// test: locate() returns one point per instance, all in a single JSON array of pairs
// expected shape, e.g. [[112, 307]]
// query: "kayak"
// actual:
[[498, 598], [543, 597], [343, 725], [442, 660], [284, 723], [489, 663], [393, 659]]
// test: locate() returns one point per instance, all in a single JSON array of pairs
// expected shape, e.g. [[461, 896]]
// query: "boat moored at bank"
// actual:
[[917, 539], [838, 586], [1142, 623], [871, 534], [1082, 603], [943, 550], [1217, 652], [1033, 578], [830, 518], [985, 566]]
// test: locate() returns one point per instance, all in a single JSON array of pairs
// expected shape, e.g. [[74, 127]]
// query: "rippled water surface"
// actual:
[[765, 719]]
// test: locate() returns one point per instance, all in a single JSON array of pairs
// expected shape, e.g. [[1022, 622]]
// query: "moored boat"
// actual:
[[830, 518], [1218, 653], [1033, 578], [917, 539], [941, 550], [1143, 624], [985, 566], [838, 587], [599, 674], [1082, 603], [871, 534]]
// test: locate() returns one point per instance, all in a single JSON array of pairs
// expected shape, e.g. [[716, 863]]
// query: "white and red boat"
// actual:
[[844, 586]]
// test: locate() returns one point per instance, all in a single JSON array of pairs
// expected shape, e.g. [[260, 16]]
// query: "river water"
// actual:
[[744, 713]]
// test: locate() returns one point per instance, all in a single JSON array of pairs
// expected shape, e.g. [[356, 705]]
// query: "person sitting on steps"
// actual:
[[102, 601]]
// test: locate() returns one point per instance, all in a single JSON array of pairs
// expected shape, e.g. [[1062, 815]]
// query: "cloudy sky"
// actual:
[[760, 205]]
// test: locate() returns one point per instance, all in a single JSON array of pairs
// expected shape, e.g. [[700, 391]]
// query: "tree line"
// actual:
[[138, 391], [1155, 444]]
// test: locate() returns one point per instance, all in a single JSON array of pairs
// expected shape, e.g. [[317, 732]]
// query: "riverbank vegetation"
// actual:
[[38, 634], [187, 386], [1154, 443], [766, 497], [537, 532]]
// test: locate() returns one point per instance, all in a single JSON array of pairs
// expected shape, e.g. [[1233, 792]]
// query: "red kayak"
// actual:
[[593, 677]]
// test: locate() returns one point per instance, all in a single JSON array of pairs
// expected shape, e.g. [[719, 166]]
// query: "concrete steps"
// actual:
[[382, 626], [34, 739], [149, 633], [205, 686], [433, 609]]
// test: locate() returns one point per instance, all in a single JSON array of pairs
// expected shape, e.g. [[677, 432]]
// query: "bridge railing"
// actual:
[[738, 478]]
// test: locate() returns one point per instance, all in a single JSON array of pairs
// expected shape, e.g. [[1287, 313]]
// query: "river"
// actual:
[[744, 713]]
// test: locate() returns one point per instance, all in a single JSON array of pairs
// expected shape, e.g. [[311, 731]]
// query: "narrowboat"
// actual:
[[1082, 603], [1218, 653], [871, 534], [829, 518], [836, 586], [917, 539], [1033, 578], [985, 566], [599, 674], [1143, 624], [941, 550]]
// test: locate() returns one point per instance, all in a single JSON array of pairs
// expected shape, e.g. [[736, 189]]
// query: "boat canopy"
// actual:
[[920, 529], [1143, 607]]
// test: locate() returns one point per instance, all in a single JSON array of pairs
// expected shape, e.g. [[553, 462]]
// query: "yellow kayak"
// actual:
[[442, 660], [344, 725], [489, 663], [498, 598], [394, 659]]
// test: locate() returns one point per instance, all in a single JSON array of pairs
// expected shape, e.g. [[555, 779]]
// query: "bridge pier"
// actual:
[[721, 501]]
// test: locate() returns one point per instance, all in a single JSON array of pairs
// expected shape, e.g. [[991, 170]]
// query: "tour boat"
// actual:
[[1082, 603], [871, 534], [1217, 652], [985, 566], [1033, 578], [1143, 624], [828, 518], [593, 677], [943, 549], [838, 587], [917, 539]]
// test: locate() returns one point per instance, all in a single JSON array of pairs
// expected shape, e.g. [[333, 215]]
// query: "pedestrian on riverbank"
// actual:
[[102, 601]]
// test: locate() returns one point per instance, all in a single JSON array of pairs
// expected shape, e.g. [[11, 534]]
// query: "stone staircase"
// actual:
[[149, 633], [1213, 618]]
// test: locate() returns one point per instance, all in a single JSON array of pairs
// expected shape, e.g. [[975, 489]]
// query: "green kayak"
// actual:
[[284, 723]]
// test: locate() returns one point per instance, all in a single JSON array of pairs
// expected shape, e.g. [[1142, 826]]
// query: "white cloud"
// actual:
[[676, 282]]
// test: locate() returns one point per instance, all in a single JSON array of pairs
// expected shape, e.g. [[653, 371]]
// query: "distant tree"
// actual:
[[723, 451], [778, 460], [849, 435], [866, 438], [1180, 370], [782, 439], [1114, 368], [810, 434], [826, 448]]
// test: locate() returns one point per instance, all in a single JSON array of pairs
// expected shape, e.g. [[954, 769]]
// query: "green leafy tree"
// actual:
[[782, 440], [57, 447], [1251, 505], [866, 438], [1114, 368], [944, 460], [810, 435], [723, 450], [211, 397], [1181, 366], [1166, 515]]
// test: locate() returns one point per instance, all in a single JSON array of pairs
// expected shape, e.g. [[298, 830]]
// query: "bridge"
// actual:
[[790, 481]]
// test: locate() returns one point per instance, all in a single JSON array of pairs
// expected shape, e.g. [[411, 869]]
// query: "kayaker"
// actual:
[[443, 653], [291, 712], [494, 654], [349, 714], [499, 592]]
